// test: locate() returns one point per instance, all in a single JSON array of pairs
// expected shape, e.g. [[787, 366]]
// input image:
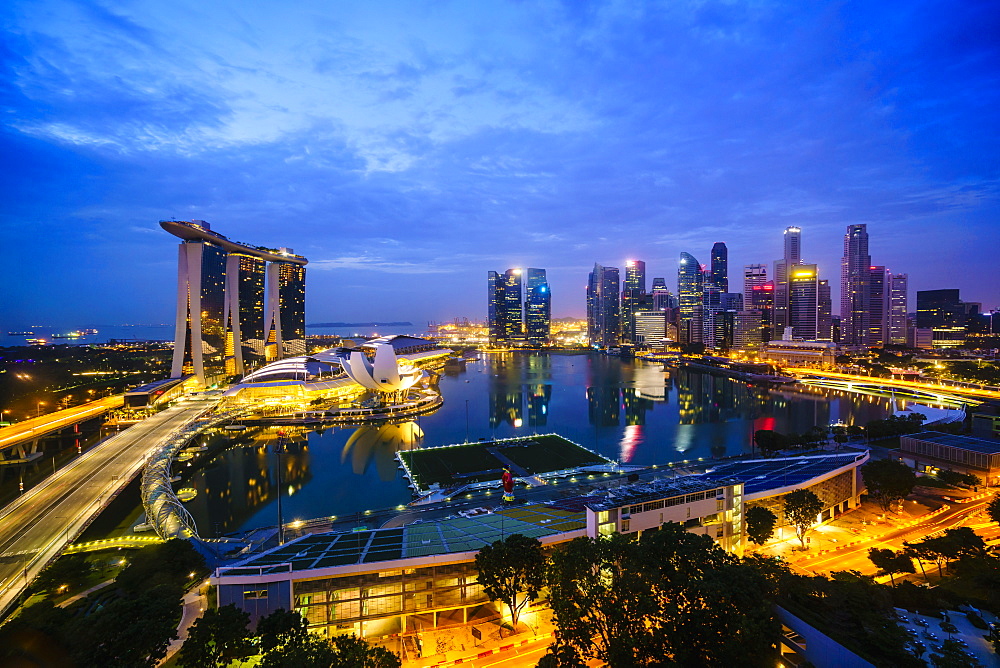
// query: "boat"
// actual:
[[20, 333], [234, 427], [185, 494], [70, 335]]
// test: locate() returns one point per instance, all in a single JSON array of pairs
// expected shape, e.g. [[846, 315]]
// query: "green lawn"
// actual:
[[473, 462]]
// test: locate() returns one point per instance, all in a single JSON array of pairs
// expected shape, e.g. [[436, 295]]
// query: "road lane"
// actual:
[[38, 525]]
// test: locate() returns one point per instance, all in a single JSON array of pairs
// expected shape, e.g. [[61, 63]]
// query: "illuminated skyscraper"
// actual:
[[855, 277], [943, 312], [897, 308], [245, 313], [633, 292], [761, 299], [720, 267], [662, 299], [803, 301], [690, 291], [753, 274], [878, 307], [603, 307], [506, 311], [782, 267], [221, 314], [285, 320], [537, 307]]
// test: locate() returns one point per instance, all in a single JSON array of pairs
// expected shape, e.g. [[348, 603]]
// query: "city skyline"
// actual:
[[436, 141]]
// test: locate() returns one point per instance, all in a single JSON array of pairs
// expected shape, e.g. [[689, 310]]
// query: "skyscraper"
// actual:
[[223, 323], [285, 319], [761, 298], [753, 274], [690, 289], [878, 307], [855, 277], [662, 298], [633, 291], [244, 312], [603, 307], [943, 312], [898, 285], [505, 306], [782, 267], [803, 301], [720, 266], [537, 307]]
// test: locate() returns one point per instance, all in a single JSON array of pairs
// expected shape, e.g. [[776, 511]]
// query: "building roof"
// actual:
[[199, 230], [162, 384], [661, 488], [986, 446], [761, 475], [419, 539]]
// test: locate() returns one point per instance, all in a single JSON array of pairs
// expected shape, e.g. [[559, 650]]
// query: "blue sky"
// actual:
[[407, 148]]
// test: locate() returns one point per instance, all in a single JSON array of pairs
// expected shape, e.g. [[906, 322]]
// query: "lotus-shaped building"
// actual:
[[383, 374]]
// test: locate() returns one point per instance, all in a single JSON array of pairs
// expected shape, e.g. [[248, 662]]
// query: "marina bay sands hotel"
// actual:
[[238, 306]]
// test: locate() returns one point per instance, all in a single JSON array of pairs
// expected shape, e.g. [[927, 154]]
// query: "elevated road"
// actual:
[[33, 428], [804, 374], [36, 527]]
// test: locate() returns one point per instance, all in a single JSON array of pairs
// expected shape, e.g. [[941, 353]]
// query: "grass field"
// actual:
[[478, 462]]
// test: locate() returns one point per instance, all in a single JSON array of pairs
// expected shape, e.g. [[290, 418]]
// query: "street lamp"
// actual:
[[39, 411]]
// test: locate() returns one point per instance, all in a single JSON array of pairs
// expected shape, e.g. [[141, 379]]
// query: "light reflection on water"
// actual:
[[627, 411]]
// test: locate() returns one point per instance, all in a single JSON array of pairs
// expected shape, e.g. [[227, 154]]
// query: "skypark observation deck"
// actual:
[[192, 231]]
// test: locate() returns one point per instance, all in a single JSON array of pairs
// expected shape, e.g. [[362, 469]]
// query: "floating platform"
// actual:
[[462, 464]]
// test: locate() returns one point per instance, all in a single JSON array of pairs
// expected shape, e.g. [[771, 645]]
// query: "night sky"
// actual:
[[408, 148]]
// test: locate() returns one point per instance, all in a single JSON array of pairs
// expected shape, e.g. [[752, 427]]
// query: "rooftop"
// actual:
[[445, 536], [987, 446], [661, 488], [760, 475]]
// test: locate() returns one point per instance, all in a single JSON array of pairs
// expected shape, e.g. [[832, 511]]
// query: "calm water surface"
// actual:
[[631, 412]]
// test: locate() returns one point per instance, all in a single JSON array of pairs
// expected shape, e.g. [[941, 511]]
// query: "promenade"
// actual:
[[40, 523]]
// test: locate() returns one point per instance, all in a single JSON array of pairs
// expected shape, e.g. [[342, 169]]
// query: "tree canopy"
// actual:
[[512, 571], [889, 562], [216, 638], [888, 481], [801, 508], [671, 596], [760, 523], [993, 508]]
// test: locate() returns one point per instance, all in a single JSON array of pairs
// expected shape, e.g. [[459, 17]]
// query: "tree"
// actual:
[[353, 652], [993, 508], [509, 568], [889, 562], [952, 655], [888, 481], [760, 524], [769, 441], [307, 651], [69, 570], [170, 563], [672, 597], [279, 628], [128, 631], [218, 637], [801, 508]]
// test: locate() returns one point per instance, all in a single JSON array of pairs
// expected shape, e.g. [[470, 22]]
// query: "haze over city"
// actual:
[[406, 149]]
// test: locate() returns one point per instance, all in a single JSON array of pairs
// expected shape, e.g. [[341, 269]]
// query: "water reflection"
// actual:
[[380, 444]]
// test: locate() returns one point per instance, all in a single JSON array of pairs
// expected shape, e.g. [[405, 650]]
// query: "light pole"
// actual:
[[280, 449]]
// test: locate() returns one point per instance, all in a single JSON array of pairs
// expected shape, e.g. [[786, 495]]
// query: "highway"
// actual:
[[942, 388], [40, 523], [33, 428], [854, 556]]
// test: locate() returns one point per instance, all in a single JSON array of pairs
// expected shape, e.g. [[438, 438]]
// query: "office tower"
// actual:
[[603, 307], [761, 299], [659, 285], [782, 267], [855, 276], [878, 307], [720, 266], [285, 318], [633, 292], [505, 312], [690, 288], [244, 312], [803, 301], [898, 304], [753, 274], [221, 310], [711, 304], [824, 314], [662, 298], [537, 307], [200, 326], [650, 329], [944, 313], [495, 306], [747, 330]]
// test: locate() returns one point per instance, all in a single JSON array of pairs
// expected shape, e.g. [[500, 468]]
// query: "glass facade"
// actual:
[[603, 307], [201, 344], [292, 304], [690, 281], [537, 307]]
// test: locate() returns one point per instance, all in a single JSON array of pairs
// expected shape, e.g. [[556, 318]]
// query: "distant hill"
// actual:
[[360, 324]]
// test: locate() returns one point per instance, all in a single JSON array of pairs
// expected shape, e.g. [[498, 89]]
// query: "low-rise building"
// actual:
[[801, 353], [931, 450]]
